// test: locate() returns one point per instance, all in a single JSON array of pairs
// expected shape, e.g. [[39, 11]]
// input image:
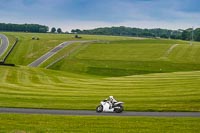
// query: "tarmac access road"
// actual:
[[4, 44], [94, 113], [52, 52]]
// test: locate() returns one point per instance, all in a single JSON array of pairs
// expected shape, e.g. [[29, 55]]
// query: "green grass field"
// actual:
[[27, 50], [132, 57], [113, 56], [146, 74], [18, 123], [40, 88]]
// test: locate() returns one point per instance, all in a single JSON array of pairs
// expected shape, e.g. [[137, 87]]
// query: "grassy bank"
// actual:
[[112, 56], [132, 57], [40, 88], [57, 124], [146, 74], [29, 50]]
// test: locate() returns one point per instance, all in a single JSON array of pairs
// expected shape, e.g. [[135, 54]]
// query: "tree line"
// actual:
[[24, 28], [187, 34]]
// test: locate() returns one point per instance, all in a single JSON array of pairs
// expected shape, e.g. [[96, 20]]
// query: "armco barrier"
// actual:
[[9, 52], [3, 64]]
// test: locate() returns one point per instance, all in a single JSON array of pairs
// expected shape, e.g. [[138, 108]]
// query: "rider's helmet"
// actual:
[[111, 98]]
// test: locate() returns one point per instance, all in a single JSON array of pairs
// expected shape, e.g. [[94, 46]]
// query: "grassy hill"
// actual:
[[27, 50], [148, 74], [132, 57], [110, 56], [40, 88]]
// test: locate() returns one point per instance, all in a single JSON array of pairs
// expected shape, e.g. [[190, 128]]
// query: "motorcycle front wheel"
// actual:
[[99, 108]]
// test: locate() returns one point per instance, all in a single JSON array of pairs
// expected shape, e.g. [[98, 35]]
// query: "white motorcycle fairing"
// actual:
[[105, 107]]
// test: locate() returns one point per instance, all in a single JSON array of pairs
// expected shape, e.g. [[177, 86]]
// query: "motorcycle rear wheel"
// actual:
[[119, 110]]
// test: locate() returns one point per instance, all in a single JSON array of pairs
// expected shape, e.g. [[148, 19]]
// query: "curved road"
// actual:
[[52, 52], [93, 113], [4, 43]]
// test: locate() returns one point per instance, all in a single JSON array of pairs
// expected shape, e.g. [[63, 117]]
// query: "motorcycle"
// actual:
[[105, 107]]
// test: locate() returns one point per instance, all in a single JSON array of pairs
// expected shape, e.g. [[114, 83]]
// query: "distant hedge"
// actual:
[[187, 34], [24, 27]]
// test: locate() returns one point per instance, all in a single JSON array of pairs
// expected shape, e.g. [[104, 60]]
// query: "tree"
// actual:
[[42, 30], [53, 30], [197, 34], [186, 35], [128, 31], [75, 31], [59, 30]]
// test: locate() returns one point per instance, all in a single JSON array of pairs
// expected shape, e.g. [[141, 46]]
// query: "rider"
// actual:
[[111, 101]]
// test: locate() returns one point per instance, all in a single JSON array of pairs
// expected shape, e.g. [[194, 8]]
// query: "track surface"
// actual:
[[93, 113], [4, 43], [52, 52]]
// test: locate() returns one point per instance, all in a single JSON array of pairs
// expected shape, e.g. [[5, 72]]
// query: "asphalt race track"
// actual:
[[94, 113], [4, 43], [52, 52]]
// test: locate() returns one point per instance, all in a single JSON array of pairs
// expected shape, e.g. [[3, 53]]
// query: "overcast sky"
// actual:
[[88, 14]]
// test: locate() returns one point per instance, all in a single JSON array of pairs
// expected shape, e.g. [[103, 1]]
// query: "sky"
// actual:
[[89, 14]]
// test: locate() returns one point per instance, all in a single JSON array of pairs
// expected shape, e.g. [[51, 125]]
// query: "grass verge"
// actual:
[[57, 124]]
